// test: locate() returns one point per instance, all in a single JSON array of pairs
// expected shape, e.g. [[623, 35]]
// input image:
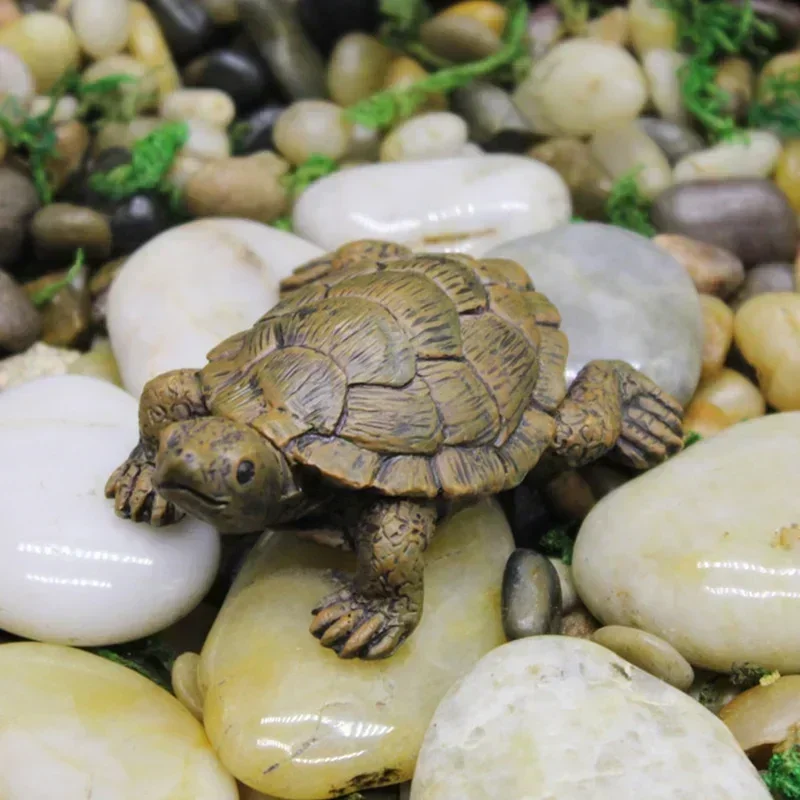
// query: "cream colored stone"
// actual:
[[766, 330], [703, 550], [309, 127], [38, 361], [74, 726], [438, 134], [582, 86], [621, 149], [733, 393], [289, 718], [148, 45], [211, 106], [557, 718], [648, 652], [652, 26], [613, 26], [662, 70], [752, 157]]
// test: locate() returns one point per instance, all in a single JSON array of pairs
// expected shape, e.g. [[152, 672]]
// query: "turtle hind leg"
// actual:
[[611, 408], [171, 397], [372, 616]]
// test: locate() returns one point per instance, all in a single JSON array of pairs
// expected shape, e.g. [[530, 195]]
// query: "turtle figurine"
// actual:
[[383, 389]]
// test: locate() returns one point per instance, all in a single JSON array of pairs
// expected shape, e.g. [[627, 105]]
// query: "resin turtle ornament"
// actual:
[[382, 389]]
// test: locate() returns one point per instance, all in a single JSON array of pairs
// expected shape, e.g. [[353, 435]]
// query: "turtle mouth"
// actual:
[[180, 489]]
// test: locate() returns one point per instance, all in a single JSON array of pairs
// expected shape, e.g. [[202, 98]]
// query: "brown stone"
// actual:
[[713, 269]]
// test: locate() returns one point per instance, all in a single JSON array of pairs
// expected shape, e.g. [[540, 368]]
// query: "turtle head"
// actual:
[[220, 471]]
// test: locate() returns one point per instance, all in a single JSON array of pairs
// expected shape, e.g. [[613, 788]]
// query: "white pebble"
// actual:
[[436, 135], [102, 26], [754, 155], [15, 77], [65, 110], [207, 105], [312, 126], [661, 68], [206, 141]]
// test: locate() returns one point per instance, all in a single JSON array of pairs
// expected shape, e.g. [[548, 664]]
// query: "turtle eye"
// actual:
[[245, 471]]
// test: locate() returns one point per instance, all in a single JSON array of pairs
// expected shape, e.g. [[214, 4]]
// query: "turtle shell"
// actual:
[[414, 375]]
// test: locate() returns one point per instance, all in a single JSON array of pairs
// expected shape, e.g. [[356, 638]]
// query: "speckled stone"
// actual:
[[619, 296], [563, 718]]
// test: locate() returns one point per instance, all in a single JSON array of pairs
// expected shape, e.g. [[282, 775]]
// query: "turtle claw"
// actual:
[[651, 423], [135, 498], [355, 626]]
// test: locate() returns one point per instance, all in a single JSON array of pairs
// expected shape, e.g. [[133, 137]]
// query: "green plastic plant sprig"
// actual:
[[783, 774], [47, 293], [384, 109], [151, 159], [316, 166], [627, 207]]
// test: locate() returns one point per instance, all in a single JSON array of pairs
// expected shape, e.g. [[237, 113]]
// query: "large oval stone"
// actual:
[[74, 726], [71, 572], [703, 551], [191, 287], [289, 718], [561, 718], [619, 296], [463, 205]]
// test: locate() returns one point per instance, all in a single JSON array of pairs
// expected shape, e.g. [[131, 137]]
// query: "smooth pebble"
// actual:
[[73, 570], [357, 68], [702, 551], [652, 26], [466, 205], [754, 158], [717, 334], [763, 279], [662, 70], [310, 127], [676, 141], [731, 392], [438, 134], [207, 105], [102, 26], [559, 717], [532, 602], [20, 322]]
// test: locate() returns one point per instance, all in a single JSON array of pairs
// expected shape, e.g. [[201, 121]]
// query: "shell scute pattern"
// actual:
[[413, 375]]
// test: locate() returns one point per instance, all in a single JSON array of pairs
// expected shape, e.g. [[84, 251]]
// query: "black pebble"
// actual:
[[236, 73], [82, 193], [256, 130], [326, 21], [136, 220], [186, 25]]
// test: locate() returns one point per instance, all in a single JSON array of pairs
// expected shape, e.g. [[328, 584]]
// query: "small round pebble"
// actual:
[[531, 604], [20, 322], [46, 43], [207, 105], [648, 652], [147, 44], [136, 220], [652, 26], [675, 140], [713, 270], [582, 86], [18, 202], [717, 334], [579, 623], [357, 68], [312, 126], [248, 187], [241, 75], [764, 716], [753, 157], [186, 25], [766, 330], [102, 26], [662, 68], [764, 279], [751, 217], [438, 134], [16, 79], [206, 140], [459, 38], [733, 393], [59, 229]]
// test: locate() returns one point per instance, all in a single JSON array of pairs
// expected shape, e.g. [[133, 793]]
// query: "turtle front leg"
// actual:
[[171, 397], [371, 617], [612, 408]]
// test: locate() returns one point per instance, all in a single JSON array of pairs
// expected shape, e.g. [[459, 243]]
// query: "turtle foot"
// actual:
[[651, 422], [356, 626], [135, 498]]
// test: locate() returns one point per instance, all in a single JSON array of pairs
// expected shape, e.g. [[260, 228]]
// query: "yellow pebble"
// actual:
[[652, 27], [779, 65], [492, 15], [787, 173], [613, 26], [46, 43], [717, 333], [766, 330], [404, 71], [147, 44], [736, 396], [705, 419]]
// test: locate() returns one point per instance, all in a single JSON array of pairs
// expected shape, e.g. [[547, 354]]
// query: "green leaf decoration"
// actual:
[[47, 293]]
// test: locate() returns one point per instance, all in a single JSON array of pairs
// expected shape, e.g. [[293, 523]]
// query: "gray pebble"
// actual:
[[763, 279], [751, 217], [459, 38], [674, 140], [18, 201], [531, 595], [20, 322]]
